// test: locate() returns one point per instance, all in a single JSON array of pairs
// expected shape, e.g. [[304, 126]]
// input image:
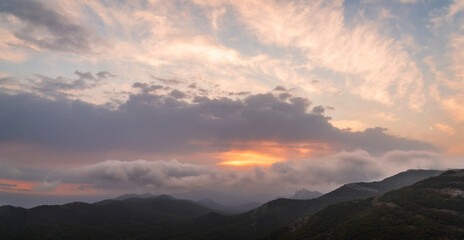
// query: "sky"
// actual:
[[252, 99]]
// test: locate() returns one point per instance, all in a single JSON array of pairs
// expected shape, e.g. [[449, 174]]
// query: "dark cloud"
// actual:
[[47, 28], [55, 87], [105, 74], [160, 123], [171, 81], [318, 110], [146, 88], [177, 94], [203, 92], [280, 88], [85, 75], [239, 93], [284, 96]]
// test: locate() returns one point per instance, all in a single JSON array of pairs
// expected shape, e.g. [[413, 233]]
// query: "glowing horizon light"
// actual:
[[247, 158]]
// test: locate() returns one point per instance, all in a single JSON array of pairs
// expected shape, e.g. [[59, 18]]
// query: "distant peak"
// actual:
[[133, 195], [306, 194], [165, 196]]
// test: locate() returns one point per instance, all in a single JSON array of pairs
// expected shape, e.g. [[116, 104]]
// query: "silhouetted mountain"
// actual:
[[366, 189], [164, 217], [276, 213], [132, 195], [234, 209], [211, 204], [247, 206], [430, 209], [306, 194], [109, 219]]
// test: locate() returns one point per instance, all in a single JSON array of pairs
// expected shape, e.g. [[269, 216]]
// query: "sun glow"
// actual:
[[31, 187], [247, 158]]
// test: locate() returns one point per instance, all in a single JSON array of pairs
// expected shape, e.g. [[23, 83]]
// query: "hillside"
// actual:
[[108, 219], [430, 209], [306, 194], [277, 213], [146, 216], [358, 190]]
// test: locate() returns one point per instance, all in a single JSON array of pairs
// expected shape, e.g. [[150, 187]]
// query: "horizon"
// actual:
[[253, 100]]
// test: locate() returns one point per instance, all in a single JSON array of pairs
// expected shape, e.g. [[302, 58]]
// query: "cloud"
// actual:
[[455, 106], [105, 74], [146, 88], [239, 93], [48, 29], [168, 81], [281, 178], [324, 173], [146, 174], [10, 53], [46, 186], [159, 123], [374, 64], [445, 128], [346, 167], [280, 88], [85, 75], [177, 94], [61, 87]]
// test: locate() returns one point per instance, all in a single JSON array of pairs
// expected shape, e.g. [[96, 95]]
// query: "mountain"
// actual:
[[132, 195], [109, 219], [306, 194], [366, 189], [228, 209], [429, 209], [277, 213], [165, 217]]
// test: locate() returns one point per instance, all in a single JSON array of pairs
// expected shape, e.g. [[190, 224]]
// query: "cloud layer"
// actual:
[[158, 122], [45, 28], [280, 178]]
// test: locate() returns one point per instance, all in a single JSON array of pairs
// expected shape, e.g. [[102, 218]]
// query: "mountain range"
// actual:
[[165, 217], [306, 194], [429, 209]]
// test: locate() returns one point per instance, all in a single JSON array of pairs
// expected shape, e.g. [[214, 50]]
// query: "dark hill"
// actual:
[[430, 209], [366, 189], [164, 217], [279, 212], [306, 194], [132, 195], [109, 219]]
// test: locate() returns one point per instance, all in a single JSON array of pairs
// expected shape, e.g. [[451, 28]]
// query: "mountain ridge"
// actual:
[[432, 208], [170, 218]]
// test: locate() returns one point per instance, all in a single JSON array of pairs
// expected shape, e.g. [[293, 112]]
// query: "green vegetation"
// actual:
[[430, 209]]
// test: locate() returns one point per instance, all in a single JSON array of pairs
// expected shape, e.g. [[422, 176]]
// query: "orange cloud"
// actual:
[[267, 152], [247, 158], [56, 188]]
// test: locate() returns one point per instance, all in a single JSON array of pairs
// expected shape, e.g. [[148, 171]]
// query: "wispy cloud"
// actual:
[[45, 28]]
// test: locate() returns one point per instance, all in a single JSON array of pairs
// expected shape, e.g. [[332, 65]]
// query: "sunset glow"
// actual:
[[247, 158], [249, 98], [29, 187]]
